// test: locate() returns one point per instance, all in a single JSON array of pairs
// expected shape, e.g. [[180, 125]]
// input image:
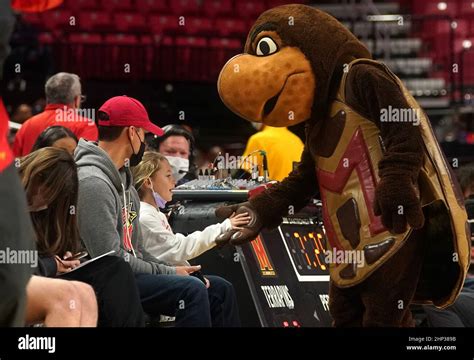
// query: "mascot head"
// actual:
[[292, 62]]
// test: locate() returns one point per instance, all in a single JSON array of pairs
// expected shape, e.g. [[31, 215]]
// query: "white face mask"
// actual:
[[179, 165]]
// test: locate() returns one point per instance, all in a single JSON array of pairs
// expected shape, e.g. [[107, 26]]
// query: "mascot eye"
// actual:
[[266, 46]]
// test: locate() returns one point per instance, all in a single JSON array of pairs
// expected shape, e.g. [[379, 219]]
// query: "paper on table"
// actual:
[[88, 262]]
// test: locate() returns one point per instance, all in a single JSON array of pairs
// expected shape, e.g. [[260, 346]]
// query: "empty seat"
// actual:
[[231, 27], [185, 7], [130, 22], [225, 43], [191, 41], [121, 39], [215, 8], [274, 3], [164, 24], [199, 26], [116, 5], [57, 19], [84, 38], [151, 6], [249, 9], [94, 21], [82, 5]]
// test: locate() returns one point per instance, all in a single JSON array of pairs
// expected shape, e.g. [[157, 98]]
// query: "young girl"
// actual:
[[154, 182], [49, 177]]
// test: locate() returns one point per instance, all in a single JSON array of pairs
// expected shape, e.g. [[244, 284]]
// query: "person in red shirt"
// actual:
[[63, 98]]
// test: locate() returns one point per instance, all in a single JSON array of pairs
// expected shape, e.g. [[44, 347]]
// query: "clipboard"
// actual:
[[88, 262]]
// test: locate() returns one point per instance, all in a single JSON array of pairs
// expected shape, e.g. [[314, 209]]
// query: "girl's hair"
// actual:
[[51, 173], [52, 134], [151, 163]]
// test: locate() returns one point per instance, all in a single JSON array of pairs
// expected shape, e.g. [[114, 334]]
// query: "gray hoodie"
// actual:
[[103, 190]]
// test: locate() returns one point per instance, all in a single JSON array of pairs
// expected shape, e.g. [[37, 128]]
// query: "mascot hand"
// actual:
[[397, 202], [247, 233]]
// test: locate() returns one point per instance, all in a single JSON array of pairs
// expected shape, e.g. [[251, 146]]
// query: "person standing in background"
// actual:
[[63, 97], [281, 146], [177, 145]]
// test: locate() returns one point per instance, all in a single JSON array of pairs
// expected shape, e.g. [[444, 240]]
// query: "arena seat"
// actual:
[[91, 21], [185, 7], [249, 9], [57, 19], [215, 8], [163, 24], [199, 26], [76, 5], [231, 27], [130, 22], [151, 6], [117, 5]]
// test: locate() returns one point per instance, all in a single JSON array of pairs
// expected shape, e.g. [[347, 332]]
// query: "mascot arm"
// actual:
[[267, 208], [373, 93]]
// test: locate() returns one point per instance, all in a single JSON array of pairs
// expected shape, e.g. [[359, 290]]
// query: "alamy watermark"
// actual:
[[28, 342], [235, 162], [12, 256], [396, 115], [67, 114], [336, 256]]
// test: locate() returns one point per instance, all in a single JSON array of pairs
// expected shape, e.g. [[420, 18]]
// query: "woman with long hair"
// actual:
[[57, 136], [49, 176]]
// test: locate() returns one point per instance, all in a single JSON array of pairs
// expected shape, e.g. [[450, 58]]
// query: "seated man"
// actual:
[[109, 210]]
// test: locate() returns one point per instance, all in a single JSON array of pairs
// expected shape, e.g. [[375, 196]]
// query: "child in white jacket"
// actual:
[[154, 182]]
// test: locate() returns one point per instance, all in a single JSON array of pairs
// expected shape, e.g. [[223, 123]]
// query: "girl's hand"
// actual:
[[237, 221]]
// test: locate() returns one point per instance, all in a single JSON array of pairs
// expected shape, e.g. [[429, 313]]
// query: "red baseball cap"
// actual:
[[127, 111]]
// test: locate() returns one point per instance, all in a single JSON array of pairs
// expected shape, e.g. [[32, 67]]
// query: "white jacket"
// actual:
[[175, 249]]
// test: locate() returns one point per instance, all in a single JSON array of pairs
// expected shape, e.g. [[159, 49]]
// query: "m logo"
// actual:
[[265, 265], [356, 157]]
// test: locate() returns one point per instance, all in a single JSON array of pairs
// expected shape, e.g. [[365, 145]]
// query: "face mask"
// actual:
[[179, 165], [136, 158], [160, 202]]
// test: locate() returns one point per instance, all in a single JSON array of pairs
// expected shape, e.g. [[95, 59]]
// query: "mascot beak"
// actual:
[[276, 89]]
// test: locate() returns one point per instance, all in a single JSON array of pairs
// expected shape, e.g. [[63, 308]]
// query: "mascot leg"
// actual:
[[384, 298]]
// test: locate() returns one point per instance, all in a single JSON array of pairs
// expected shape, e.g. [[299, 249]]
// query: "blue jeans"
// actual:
[[184, 297], [187, 298], [224, 308]]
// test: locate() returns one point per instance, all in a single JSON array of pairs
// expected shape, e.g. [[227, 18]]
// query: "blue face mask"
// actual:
[[160, 202]]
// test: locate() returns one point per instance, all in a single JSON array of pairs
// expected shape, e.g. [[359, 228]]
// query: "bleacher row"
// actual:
[[103, 38], [67, 21], [207, 8], [100, 38]]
